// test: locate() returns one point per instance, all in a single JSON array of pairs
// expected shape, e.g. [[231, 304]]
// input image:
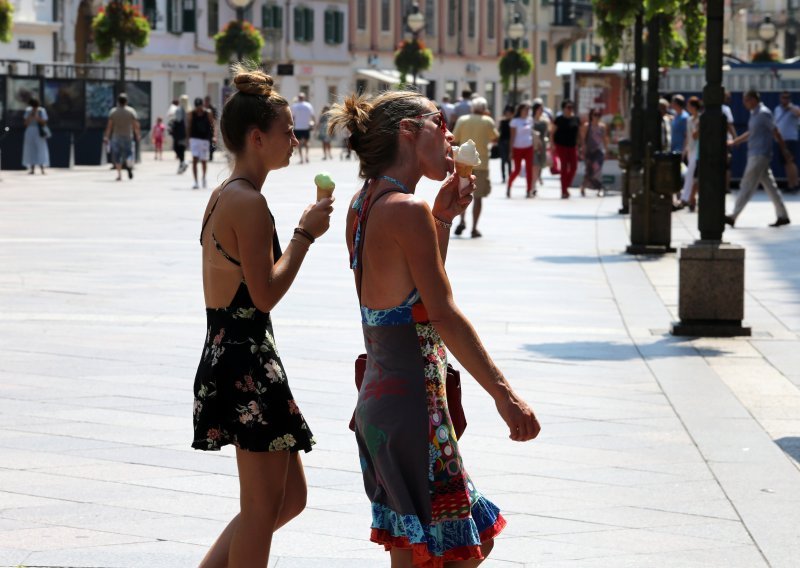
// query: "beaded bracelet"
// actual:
[[302, 232], [441, 223]]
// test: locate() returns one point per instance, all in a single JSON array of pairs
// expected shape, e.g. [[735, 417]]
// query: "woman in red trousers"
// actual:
[[522, 148]]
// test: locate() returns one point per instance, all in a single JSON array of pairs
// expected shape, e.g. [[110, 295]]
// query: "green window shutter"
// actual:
[[573, 52], [299, 27], [543, 52], [309, 24], [189, 23], [169, 16], [266, 17], [277, 17], [329, 27], [339, 36]]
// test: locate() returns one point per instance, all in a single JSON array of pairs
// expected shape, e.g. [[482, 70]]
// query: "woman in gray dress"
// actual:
[[35, 151]]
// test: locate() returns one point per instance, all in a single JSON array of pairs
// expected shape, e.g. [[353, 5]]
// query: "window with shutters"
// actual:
[[451, 17], [213, 17], [430, 17], [491, 18], [150, 11], [386, 15], [271, 17], [543, 52], [189, 22], [361, 14], [303, 24], [175, 16], [471, 18], [334, 27]]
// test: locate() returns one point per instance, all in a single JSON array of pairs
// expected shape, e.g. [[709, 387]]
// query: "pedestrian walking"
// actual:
[[449, 110], [679, 124], [541, 138], [665, 124], [787, 119], [158, 138], [242, 396], [480, 129], [34, 146], [177, 130], [122, 128], [594, 142], [691, 153], [522, 148], [565, 142], [504, 141], [215, 114], [200, 124], [303, 114], [760, 132], [323, 135], [425, 508], [462, 108]]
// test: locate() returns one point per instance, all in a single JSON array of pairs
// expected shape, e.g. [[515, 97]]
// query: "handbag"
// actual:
[[452, 380], [452, 389], [494, 153], [44, 131]]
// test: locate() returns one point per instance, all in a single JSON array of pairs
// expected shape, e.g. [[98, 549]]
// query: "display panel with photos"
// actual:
[[2, 99], [139, 97], [99, 102], [64, 100], [19, 92]]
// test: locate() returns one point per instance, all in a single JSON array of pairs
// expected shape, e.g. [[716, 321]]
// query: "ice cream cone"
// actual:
[[463, 171], [323, 192]]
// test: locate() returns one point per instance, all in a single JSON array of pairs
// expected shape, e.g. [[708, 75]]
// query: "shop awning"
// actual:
[[388, 76]]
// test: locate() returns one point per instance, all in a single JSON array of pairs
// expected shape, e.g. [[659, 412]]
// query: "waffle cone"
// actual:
[[323, 193], [464, 170]]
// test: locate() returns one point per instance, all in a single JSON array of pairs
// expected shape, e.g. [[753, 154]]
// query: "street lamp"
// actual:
[[240, 6], [767, 31], [515, 33], [415, 22]]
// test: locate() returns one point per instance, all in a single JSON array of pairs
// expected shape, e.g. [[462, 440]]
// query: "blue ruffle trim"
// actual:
[[442, 536], [397, 315]]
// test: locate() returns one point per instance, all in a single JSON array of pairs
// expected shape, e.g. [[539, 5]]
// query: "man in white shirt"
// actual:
[[303, 115], [787, 121], [449, 109]]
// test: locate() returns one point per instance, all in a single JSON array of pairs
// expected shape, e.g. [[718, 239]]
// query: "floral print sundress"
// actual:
[[422, 497], [241, 393]]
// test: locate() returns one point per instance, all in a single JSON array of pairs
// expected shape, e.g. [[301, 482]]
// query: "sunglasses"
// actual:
[[442, 119]]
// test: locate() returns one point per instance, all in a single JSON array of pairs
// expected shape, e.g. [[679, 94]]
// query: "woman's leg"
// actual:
[[294, 501], [517, 154], [528, 157], [569, 166]]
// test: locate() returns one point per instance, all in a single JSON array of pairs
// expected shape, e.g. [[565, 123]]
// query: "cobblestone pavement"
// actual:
[[655, 451]]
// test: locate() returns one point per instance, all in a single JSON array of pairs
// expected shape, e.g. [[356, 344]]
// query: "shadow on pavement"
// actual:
[[591, 259], [614, 351], [587, 217], [790, 445]]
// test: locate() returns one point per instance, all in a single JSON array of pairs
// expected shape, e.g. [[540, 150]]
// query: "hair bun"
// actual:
[[252, 81], [356, 109]]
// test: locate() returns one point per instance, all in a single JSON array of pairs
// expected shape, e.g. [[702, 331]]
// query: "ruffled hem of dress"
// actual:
[[217, 445], [406, 531]]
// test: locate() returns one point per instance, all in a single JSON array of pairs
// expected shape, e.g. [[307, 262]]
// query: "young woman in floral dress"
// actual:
[[241, 393], [425, 509]]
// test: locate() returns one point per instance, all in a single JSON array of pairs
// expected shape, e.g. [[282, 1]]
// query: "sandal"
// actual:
[[460, 228]]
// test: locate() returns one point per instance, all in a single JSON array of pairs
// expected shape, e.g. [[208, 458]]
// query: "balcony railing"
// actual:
[[571, 12]]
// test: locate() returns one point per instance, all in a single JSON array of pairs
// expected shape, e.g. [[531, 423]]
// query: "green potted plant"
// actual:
[[238, 38], [514, 61], [6, 20], [118, 23], [412, 57]]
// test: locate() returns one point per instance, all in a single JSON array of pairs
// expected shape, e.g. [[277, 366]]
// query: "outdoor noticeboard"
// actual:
[[65, 103]]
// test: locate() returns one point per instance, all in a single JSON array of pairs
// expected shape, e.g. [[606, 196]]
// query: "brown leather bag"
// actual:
[[452, 388]]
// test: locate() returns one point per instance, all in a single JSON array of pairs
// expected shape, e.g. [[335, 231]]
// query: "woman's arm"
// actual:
[[415, 235], [267, 280]]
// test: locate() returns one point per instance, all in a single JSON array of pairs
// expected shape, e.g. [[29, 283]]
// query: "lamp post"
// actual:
[[515, 33], [415, 22], [767, 31], [240, 6]]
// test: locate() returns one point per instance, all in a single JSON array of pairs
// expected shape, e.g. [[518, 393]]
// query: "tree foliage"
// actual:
[[682, 27], [412, 57], [116, 22], [514, 61], [6, 20], [238, 37]]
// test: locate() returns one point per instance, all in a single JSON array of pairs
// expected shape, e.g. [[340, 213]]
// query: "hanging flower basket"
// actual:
[[412, 56], [6, 20], [118, 22], [766, 57], [514, 60], [238, 37]]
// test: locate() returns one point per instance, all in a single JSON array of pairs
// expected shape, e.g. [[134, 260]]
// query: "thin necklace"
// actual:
[[398, 183]]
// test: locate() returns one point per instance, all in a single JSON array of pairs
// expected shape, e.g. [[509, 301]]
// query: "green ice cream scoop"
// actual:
[[325, 185]]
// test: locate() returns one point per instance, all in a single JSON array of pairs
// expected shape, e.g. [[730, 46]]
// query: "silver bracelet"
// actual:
[[441, 223]]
